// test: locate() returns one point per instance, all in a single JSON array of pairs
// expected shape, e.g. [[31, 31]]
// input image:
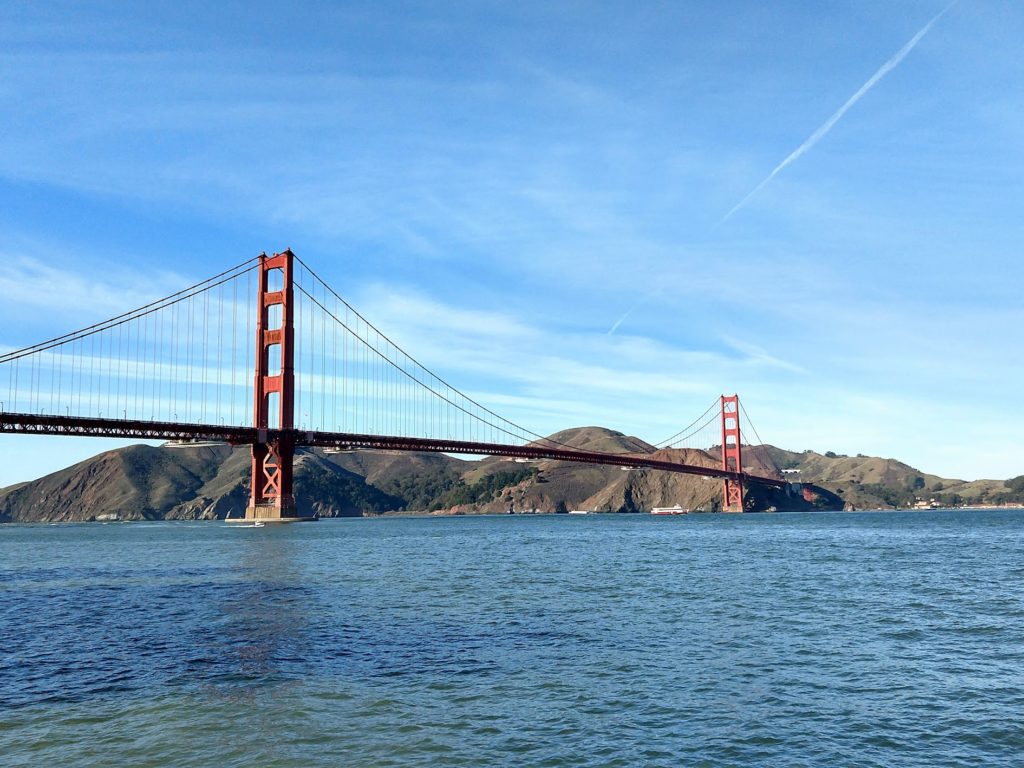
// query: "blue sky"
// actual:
[[499, 185]]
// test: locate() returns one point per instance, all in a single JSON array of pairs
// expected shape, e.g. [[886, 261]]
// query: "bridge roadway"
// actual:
[[39, 424]]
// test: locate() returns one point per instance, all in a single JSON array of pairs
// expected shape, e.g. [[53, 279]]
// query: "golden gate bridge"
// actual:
[[185, 368]]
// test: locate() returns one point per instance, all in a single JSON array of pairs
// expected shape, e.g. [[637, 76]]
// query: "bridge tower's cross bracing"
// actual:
[[274, 391], [732, 454]]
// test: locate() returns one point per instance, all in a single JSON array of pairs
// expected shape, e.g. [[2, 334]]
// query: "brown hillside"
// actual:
[[599, 439], [139, 482], [142, 482]]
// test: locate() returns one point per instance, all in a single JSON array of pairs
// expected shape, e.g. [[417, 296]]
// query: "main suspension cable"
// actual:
[[146, 309], [676, 437], [522, 430]]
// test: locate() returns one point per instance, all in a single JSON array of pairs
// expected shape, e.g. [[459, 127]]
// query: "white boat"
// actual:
[[676, 510], [579, 511]]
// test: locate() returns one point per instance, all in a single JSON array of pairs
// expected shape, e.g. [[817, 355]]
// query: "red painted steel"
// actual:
[[530, 451], [274, 450], [732, 455], [36, 424], [28, 423], [273, 436]]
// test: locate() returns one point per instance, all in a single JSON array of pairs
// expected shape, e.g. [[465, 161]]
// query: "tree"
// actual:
[[1015, 484]]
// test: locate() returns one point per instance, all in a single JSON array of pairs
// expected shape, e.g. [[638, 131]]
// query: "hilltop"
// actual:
[[144, 482], [869, 482]]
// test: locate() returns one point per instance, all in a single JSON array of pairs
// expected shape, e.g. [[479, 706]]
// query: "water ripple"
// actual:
[[859, 639]]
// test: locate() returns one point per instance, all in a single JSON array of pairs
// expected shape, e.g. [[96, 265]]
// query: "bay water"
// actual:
[[824, 639]]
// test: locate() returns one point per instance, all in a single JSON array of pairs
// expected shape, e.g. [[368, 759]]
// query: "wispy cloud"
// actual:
[[504, 359], [754, 354], [827, 126], [30, 283]]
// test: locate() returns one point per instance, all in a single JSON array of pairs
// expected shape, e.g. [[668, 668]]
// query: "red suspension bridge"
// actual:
[[185, 368]]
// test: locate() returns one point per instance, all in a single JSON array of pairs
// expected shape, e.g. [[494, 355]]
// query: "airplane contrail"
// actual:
[[827, 126], [625, 314]]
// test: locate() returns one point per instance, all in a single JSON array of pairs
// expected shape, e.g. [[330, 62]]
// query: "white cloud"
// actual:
[[30, 283], [533, 211]]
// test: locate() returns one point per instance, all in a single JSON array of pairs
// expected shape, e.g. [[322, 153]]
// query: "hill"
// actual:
[[143, 482], [146, 483], [869, 482], [599, 439]]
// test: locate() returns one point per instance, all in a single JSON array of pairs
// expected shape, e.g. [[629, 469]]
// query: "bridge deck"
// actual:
[[27, 423]]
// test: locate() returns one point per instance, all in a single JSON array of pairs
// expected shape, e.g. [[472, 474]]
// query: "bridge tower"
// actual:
[[273, 454], [732, 453]]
